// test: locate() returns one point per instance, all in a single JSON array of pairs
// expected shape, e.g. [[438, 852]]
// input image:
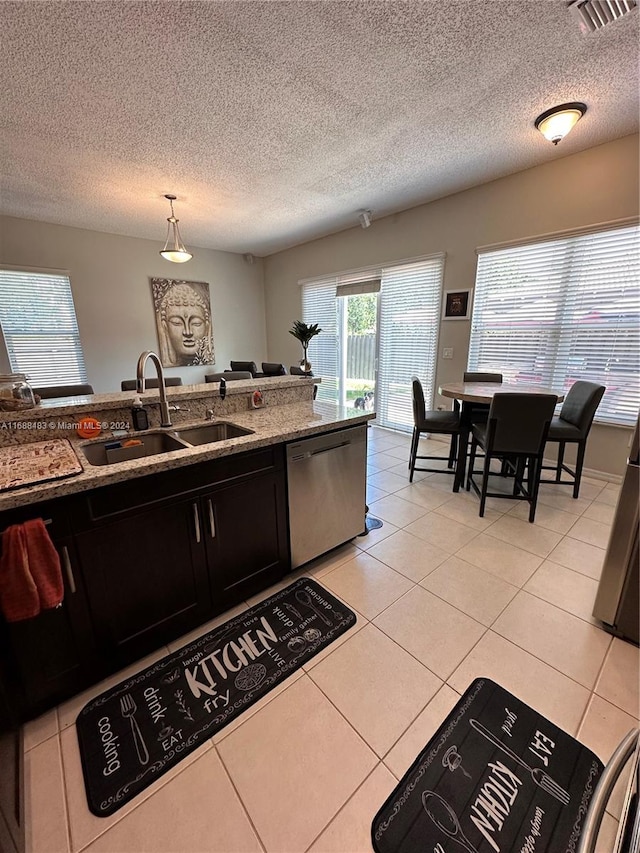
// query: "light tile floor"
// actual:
[[442, 597]]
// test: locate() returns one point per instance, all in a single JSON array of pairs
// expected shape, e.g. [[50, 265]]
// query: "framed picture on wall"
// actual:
[[457, 304]]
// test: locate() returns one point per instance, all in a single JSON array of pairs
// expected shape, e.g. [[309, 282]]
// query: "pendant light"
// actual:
[[554, 124], [174, 249]]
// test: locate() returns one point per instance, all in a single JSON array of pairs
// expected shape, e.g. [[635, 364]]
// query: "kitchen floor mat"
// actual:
[[134, 732], [497, 777]]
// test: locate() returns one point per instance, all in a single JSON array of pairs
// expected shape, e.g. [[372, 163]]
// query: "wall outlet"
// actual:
[[447, 352]]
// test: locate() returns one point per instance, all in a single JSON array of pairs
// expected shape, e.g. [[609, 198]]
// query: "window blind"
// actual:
[[561, 310], [409, 323], [40, 329], [319, 306]]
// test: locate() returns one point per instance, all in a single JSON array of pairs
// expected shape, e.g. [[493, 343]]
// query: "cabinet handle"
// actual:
[[66, 561], [212, 520], [196, 522]]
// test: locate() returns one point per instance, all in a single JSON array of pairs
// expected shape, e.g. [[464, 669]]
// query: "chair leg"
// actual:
[[535, 470], [414, 452], [582, 446], [452, 450], [519, 475], [472, 462], [561, 446], [485, 482]]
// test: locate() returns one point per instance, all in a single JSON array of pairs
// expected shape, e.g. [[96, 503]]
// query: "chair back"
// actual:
[[580, 404], [519, 423], [251, 366], [272, 368], [294, 370], [481, 377], [228, 376], [418, 401], [51, 391], [151, 382]]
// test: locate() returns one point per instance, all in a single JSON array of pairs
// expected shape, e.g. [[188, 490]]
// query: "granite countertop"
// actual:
[[175, 394], [270, 425]]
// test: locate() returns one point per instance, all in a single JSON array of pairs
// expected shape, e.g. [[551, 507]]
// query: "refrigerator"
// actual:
[[616, 603]]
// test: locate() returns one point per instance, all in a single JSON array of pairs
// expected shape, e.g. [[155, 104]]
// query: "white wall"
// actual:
[[594, 186], [112, 293]]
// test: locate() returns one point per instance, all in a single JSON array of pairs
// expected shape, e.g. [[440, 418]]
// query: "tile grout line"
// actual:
[[240, 800]]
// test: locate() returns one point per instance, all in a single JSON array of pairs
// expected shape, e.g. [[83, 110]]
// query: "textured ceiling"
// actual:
[[275, 122]]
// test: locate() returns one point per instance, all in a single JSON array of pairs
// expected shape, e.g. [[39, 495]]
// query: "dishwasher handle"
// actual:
[[327, 449]]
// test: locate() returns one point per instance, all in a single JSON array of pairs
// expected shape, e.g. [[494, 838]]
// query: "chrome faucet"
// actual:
[[165, 419]]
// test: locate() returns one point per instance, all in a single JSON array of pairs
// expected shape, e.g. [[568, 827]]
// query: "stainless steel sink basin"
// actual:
[[152, 444], [97, 453], [209, 433]]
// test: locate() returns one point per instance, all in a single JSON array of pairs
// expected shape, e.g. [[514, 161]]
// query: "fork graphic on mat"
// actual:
[[129, 708], [542, 779]]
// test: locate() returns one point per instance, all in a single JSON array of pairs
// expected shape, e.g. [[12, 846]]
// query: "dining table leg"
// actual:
[[463, 444]]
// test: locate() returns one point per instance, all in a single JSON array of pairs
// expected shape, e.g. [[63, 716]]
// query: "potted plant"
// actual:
[[304, 333]]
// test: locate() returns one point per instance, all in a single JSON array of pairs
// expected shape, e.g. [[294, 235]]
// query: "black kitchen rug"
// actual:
[[134, 732], [497, 777]]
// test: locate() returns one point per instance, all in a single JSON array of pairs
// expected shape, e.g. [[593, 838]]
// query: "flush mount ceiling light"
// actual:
[[365, 218], [554, 124], [174, 249]]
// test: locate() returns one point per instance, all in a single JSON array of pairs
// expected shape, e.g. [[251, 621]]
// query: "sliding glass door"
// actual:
[[379, 329]]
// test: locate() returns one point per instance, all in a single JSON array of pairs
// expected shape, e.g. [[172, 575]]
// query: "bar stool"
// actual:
[[443, 423]]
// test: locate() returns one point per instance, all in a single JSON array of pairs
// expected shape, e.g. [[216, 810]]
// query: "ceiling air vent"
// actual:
[[595, 14]]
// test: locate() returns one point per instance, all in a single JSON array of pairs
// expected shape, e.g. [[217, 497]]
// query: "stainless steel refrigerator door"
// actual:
[[327, 482], [623, 539]]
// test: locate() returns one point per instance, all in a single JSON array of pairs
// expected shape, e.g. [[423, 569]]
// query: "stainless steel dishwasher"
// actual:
[[327, 483]]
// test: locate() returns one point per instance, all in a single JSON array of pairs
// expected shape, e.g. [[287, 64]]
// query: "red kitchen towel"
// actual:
[[18, 592], [44, 563]]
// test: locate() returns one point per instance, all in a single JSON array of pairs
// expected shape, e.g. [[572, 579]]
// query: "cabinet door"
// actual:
[[246, 537], [146, 579], [50, 657]]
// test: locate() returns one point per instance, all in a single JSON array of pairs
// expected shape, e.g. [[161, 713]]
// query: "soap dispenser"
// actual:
[[139, 415]]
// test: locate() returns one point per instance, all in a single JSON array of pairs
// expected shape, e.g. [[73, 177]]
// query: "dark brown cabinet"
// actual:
[[145, 561], [146, 579], [53, 655], [246, 536]]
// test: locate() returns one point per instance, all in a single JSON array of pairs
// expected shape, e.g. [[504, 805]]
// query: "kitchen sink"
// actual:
[[99, 453], [212, 432]]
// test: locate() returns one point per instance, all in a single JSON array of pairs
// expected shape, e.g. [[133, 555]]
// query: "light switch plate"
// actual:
[[447, 352]]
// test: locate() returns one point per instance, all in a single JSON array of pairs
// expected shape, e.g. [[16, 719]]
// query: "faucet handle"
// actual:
[[209, 414], [174, 407]]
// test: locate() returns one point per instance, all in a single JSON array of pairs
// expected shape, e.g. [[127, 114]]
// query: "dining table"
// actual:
[[469, 393]]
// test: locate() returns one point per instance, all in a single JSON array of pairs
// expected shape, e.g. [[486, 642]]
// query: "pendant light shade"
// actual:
[[174, 249], [554, 124]]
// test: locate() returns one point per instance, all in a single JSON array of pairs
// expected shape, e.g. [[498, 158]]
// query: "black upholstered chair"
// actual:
[[272, 368], [478, 411], [442, 423], [228, 376], [294, 370], [51, 391], [572, 426], [151, 382], [515, 433], [251, 366]]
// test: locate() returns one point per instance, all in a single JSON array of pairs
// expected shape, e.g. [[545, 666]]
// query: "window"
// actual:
[[410, 296], [561, 310], [40, 329]]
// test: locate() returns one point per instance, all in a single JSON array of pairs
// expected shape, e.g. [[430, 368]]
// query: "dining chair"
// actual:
[[251, 366], [479, 411], [572, 426], [50, 391], [439, 423], [294, 370], [515, 433], [228, 376], [273, 368], [151, 382]]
